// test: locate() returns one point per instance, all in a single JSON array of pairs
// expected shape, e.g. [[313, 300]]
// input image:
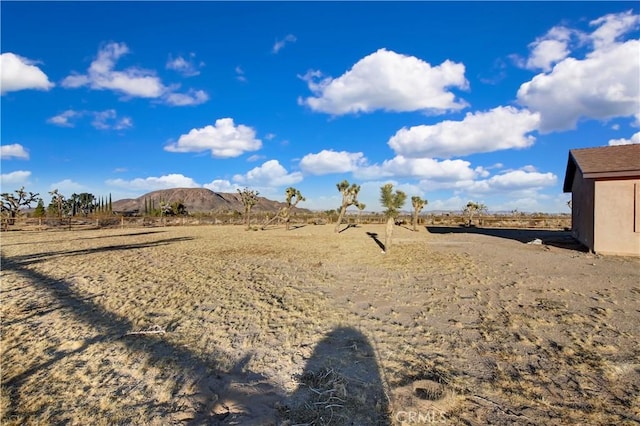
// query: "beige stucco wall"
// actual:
[[582, 195], [616, 217]]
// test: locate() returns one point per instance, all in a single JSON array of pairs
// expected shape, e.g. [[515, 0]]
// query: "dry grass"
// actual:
[[219, 325]]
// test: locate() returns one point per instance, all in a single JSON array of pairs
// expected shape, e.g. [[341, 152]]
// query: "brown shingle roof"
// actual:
[[603, 162]]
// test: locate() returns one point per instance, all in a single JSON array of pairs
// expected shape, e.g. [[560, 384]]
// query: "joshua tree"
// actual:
[[418, 204], [393, 203], [73, 201], [86, 202], [349, 198], [11, 204], [249, 199], [179, 209], [165, 208], [294, 196], [59, 204], [471, 209], [83, 202]]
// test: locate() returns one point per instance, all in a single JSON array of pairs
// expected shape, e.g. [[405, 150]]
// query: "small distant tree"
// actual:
[[40, 211], [418, 204], [472, 209], [11, 204], [349, 198], [249, 199], [361, 207], [331, 214], [393, 202]]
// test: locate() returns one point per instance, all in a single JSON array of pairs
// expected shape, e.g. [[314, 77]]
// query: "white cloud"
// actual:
[[101, 75], [452, 204], [131, 82], [240, 74], [423, 168], [523, 182], [601, 86], [632, 140], [611, 27], [186, 67], [269, 174], [17, 179], [14, 150], [255, 157], [103, 120], [370, 193], [221, 185], [224, 140], [174, 180], [192, 97], [515, 180], [18, 73], [550, 49], [497, 129], [279, 44], [482, 171], [329, 161], [108, 119], [66, 118], [519, 189], [389, 81], [68, 187]]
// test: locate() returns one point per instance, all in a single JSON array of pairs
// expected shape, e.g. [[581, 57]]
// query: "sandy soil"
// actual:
[[218, 325]]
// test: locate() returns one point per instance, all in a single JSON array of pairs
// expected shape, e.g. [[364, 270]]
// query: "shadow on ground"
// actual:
[[213, 380], [375, 238], [560, 239], [340, 385]]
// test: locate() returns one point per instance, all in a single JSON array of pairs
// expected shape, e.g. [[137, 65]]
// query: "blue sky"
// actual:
[[451, 101]]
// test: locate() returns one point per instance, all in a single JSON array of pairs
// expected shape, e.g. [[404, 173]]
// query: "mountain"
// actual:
[[199, 200]]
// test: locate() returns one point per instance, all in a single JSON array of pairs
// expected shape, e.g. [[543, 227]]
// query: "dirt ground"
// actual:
[[218, 325]]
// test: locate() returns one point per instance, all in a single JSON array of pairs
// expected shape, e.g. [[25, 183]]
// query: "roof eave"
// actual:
[[617, 174]]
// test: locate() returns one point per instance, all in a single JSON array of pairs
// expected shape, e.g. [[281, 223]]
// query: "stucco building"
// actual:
[[605, 198]]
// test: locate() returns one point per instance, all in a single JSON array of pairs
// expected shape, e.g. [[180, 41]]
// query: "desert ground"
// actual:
[[218, 325]]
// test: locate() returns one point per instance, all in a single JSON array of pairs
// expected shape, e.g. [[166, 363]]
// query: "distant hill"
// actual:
[[199, 200]]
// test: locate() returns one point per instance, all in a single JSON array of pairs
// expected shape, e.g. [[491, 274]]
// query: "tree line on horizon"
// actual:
[[86, 203], [77, 204]]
